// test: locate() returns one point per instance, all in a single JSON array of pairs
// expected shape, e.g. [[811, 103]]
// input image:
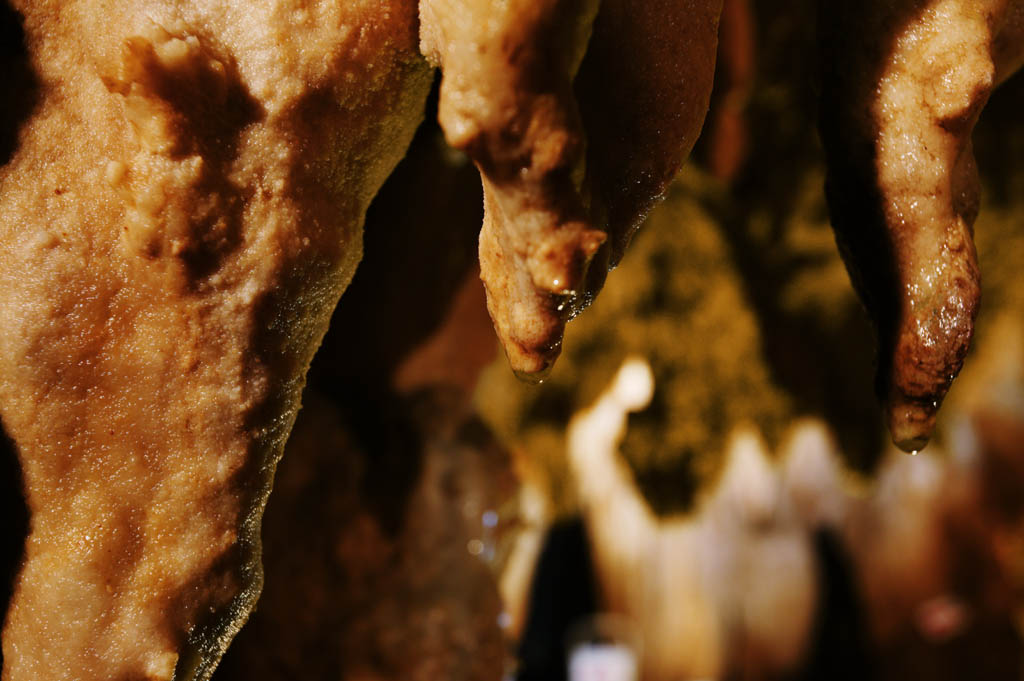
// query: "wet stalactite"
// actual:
[[734, 293]]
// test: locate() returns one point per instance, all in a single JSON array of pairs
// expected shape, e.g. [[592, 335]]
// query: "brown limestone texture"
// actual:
[[180, 215], [578, 113], [903, 84]]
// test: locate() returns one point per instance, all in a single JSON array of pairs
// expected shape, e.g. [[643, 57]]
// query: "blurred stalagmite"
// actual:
[[733, 587], [694, 585]]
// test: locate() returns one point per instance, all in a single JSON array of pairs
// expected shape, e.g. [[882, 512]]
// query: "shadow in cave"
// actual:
[[330, 536], [366, 536], [13, 524], [997, 149], [839, 648], [562, 594], [19, 87], [419, 244]]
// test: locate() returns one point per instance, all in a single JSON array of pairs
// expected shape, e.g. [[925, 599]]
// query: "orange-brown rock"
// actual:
[[903, 84], [180, 214], [578, 113]]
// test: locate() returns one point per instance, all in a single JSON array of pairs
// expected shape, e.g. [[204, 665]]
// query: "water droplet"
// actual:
[[489, 519]]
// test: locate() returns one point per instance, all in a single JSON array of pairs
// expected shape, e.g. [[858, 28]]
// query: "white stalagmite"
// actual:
[[812, 476], [648, 570], [697, 586]]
